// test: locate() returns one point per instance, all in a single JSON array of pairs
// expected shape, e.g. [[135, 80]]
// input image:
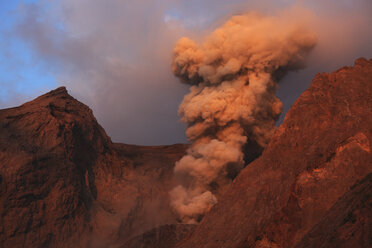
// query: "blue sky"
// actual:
[[22, 76]]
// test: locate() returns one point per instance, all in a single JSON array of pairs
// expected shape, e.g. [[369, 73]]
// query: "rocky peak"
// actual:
[[48, 150]]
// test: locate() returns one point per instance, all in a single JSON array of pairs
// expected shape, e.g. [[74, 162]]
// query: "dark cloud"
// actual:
[[115, 55]]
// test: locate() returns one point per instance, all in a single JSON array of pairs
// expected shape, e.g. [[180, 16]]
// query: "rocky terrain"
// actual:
[[347, 223], [160, 237], [64, 183]]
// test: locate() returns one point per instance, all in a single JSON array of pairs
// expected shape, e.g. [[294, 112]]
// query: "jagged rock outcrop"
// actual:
[[348, 223], [322, 149], [63, 183]]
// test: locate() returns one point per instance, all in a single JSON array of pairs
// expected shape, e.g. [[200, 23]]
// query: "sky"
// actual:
[[115, 55]]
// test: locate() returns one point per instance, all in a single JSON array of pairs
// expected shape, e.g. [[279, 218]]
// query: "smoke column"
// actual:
[[232, 103]]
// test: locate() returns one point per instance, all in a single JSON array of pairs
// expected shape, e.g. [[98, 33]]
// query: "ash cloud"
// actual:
[[232, 99]]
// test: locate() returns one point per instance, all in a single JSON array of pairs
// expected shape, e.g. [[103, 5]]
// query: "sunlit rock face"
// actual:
[[347, 223], [321, 150]]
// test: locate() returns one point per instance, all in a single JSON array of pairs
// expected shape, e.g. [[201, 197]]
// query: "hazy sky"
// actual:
[[115, 55]]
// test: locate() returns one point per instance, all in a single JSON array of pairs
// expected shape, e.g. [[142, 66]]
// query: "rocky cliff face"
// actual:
[[322, 149], [63, 183], [347, 223]]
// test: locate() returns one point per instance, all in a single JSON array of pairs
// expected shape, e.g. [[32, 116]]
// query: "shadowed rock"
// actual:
[[161, 237]]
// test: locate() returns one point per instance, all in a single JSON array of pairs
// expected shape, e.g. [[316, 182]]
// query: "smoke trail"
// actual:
[[232, 105]]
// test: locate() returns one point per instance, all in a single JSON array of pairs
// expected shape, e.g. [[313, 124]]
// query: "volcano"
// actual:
[[64, 183]]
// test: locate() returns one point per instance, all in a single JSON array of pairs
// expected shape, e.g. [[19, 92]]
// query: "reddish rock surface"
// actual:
[[63, 183], [348, 223], [322, 149], [162, 237]]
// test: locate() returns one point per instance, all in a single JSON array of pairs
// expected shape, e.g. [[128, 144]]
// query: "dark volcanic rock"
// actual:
[[348, 223], [63, 183], [322, 148], [162, 237]]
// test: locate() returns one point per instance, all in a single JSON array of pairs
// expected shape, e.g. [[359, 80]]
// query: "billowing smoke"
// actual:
[[231, 109]]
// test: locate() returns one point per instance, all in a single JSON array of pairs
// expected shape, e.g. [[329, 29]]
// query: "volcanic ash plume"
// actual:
[[232, 103]]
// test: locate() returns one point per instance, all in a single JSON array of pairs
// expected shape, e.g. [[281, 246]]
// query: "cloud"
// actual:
[[115, 55]]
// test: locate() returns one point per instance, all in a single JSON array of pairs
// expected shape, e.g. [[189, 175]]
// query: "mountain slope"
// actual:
[[63, 183]]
